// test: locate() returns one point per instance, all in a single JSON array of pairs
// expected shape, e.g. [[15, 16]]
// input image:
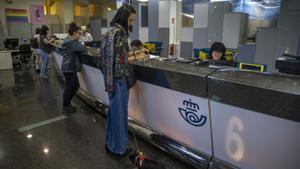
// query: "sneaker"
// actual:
[[69, 109]]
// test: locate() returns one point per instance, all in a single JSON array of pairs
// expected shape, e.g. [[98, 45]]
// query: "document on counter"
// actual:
[[153, 56]]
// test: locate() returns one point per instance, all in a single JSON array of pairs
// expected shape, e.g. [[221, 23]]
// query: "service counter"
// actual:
[[207, 117]]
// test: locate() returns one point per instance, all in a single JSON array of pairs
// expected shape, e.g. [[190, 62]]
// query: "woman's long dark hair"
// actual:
[[122, 16], [44, 30]]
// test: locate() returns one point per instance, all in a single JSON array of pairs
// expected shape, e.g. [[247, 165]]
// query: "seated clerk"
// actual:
[[217, 55], [217, 51], [71, 64], [138, 49], [136, 45], [86, 36]]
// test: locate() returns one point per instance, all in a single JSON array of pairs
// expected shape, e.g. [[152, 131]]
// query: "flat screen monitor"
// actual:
[[11, 43]]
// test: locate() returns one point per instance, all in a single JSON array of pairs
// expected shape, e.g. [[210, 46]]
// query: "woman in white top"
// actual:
[[85, 36], [35, 45]]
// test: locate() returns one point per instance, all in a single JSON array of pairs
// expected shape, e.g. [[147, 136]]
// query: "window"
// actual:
[[187, 13]]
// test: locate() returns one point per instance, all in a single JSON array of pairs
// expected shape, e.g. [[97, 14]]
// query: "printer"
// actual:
[[290, 64]]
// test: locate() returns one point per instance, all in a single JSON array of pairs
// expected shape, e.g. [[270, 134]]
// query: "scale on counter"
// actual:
[[289, 65], [252, 67]]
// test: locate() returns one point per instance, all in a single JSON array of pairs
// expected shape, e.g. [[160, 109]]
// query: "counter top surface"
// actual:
[[273, 94], [177, 67], [277, 82], [166, 65]]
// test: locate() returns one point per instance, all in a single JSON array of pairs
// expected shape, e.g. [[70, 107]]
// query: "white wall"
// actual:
[[143, 34], [164, 14], [187, 34], [167, 11], [234, 29], [173, 27], [201, 15], [178, 22]]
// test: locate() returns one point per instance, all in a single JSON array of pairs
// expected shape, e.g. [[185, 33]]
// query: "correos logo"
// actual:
[[191, 113]]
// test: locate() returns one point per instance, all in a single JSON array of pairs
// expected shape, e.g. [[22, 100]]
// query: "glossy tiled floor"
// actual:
[[76, 142]]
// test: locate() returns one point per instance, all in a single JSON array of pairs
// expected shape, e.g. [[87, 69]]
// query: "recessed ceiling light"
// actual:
[[46, 150]]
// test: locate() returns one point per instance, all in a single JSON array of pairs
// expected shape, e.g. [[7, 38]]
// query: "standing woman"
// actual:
[[72, 52], [118, 78], [45, 49]]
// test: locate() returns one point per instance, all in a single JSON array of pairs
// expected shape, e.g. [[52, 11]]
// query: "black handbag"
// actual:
[[130, 80]]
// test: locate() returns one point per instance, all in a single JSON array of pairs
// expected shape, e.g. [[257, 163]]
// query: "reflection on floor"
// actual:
[[46, 139]]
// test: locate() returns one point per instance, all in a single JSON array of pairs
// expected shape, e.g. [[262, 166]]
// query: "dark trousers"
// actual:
[[71, 87]]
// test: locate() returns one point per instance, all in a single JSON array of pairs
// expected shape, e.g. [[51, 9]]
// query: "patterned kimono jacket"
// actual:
[[114, 57]]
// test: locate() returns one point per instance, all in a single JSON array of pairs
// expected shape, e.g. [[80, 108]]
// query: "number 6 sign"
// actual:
[[234, 144]]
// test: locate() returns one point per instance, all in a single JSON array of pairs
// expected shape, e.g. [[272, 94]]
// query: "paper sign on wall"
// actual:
[[37, 14]]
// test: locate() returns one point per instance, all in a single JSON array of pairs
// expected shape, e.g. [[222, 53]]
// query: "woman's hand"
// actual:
[[140, 55], [137, 55], [144, 50], [52, 40]]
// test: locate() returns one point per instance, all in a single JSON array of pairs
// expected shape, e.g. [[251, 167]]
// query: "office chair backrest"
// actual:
[[25, 48]]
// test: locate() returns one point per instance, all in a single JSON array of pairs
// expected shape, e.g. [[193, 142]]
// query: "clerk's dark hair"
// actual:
[[122, 16], [218, 47], [44, 29], [73, 28], [136, 43]]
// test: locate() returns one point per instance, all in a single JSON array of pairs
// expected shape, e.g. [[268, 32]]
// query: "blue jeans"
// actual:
[[117, 119], [44, 63]]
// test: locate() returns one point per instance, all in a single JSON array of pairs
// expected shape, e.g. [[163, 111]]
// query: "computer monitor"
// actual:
[[11, 43]]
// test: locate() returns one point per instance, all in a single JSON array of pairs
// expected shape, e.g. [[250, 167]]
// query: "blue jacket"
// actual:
[[72, 53]]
